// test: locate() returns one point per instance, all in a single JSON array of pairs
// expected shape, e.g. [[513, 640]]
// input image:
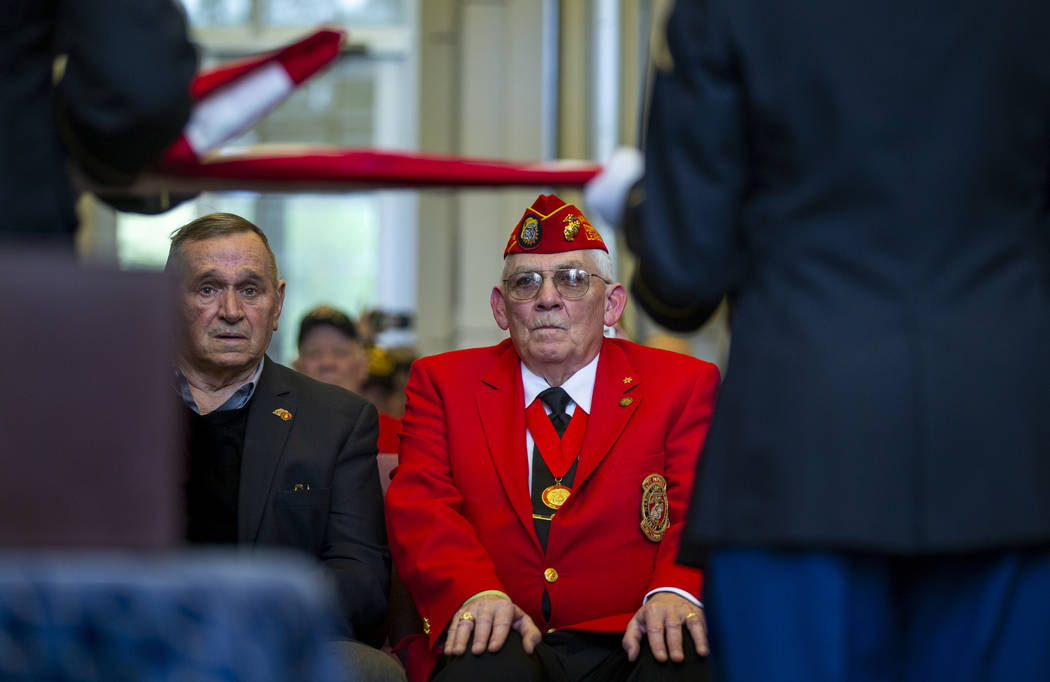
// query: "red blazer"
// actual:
[[459, 513]]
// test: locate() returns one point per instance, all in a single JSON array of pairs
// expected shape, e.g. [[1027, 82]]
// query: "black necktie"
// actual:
[[557, 400]]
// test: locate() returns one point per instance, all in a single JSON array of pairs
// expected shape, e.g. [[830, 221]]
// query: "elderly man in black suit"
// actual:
[[275, 458], [869, 186]]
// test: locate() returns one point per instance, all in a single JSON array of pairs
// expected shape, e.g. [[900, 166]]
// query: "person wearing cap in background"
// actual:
[[543, 481], [330, 350]]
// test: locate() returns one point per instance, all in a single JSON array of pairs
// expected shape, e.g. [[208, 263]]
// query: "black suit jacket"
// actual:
[[123, 97], [309, 481], [868, 184]]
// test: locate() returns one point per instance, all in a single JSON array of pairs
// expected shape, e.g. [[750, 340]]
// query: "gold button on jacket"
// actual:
[[550, 575]]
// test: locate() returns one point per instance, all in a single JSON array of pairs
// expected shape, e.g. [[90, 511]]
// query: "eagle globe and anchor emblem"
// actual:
[[656, 516]]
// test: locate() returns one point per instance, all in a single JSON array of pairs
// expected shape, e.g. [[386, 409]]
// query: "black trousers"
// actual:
[[568, 656]]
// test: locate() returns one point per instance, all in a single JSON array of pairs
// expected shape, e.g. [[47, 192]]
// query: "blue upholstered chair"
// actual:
[[86, 617]]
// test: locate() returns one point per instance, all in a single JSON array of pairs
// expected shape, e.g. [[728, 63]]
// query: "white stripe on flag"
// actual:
[[237, 106]]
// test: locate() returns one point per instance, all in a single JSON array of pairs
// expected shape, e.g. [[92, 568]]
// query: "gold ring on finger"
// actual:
[[691, 614], [467, 615]]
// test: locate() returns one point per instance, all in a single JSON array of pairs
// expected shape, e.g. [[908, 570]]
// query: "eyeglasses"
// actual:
[[570, 283]]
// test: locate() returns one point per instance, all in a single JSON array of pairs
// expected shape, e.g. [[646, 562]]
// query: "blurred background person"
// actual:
[[387, 376], [330, 350], [104, 83]]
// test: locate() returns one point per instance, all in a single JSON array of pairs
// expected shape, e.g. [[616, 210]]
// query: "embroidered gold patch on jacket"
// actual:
[[656, 516]]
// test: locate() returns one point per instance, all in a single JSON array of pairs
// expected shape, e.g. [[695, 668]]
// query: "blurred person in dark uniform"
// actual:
[[103, 83], [869, 186]]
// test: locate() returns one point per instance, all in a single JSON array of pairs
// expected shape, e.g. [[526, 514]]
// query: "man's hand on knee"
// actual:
[[489, 618], [661, 620]]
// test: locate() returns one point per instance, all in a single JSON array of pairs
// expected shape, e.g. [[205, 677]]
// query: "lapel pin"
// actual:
[[628, 380], [624, 402], [283, 413], [300, 487]]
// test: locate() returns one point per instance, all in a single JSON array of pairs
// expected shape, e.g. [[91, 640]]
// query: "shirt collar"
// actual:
[[580, 386], [236, 401]]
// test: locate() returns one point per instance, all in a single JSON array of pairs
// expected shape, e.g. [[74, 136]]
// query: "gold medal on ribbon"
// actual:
[[558, 453], [554, 496], [656, 515]]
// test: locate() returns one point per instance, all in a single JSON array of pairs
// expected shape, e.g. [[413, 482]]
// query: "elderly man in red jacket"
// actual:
[[543, 481]]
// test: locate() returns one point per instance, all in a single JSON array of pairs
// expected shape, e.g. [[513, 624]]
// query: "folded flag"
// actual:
[[232, 98], [299, 168]]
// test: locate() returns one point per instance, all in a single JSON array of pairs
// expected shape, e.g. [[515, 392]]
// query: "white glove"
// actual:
[[606, 194]]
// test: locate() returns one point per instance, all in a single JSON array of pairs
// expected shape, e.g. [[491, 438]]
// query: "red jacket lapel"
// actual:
[[614, 401], [501, 407]]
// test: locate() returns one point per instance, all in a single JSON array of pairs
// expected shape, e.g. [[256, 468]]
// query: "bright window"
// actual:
[[329, 246]]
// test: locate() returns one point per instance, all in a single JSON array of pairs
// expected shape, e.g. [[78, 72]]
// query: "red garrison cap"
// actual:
[[552, 226]]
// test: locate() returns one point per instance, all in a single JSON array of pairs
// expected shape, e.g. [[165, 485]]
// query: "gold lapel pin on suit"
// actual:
[[283, 413], [624, 402]]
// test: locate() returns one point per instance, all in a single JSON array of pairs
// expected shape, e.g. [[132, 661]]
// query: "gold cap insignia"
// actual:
[[656, 514], [572, 228], [624, 402], [283, 413]]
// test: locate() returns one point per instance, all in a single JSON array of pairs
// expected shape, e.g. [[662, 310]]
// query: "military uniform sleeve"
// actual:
[[124, 93], [682, 219]]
